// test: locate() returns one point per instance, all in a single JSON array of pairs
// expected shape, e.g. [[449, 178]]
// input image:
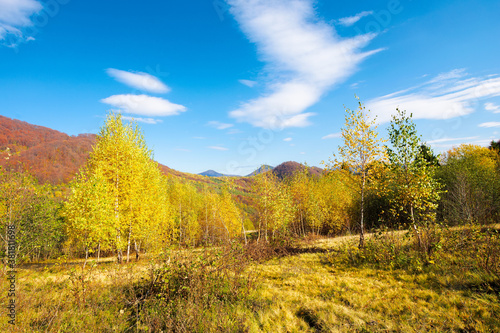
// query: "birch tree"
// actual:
[[89, 212], [122, 161], [360, 148], [413, 191]]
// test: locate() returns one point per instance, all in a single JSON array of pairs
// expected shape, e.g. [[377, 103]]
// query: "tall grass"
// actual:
[[325, 285]]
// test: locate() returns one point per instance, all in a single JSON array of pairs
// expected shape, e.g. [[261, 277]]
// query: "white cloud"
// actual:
[[448, 143], [484, 142], [492, 107], [151, 121], [446, 96], [287, 139], [218, 148], [18, 12], [452, 140], [15, 15], [144, 105], [490, 124], [305, 57], [453, 74], [218, 125], [182, 149], [348, 21], [138, 80], [248, 83], [332, 136]]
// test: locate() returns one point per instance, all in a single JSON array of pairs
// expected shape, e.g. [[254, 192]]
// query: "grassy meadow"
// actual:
[[314, 285]]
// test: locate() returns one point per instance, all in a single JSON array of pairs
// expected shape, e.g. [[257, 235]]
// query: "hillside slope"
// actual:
[[55, 157], [264, 168], [49, 155]]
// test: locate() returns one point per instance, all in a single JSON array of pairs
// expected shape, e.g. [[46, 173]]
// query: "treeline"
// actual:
[[461, 186], [121, 203], [374, 183], [34, 210]]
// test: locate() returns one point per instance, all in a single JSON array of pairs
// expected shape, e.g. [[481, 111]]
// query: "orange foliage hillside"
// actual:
[[49, 155]]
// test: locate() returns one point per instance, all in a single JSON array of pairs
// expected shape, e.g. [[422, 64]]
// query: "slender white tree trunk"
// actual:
[[362, 232]]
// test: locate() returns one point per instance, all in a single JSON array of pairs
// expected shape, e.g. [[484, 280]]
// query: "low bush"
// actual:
[[458, 252], [198, 291]]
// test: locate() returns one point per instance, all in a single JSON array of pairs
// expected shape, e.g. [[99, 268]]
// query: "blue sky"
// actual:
[[231, 85]]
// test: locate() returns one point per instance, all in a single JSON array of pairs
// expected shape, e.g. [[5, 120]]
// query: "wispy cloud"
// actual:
[[199, 138], [138, 80], [332, 136], [218, 148], [453, 74], [248, 83], [448, 143], [14, 16], [469, 138], [305, 58], [490, 124], [287, 139], [351, 20], [492, 107], [151, 121], [446, 96], [218, 125], [144, 105], [182, 149]]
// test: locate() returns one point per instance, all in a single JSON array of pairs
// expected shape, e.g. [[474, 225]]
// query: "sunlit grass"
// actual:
[[313, 291], [69, 299], [302, 293]]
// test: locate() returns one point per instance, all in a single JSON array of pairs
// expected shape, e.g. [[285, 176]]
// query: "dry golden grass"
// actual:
[[302, 294], [318, 291], [306, 292], [66, 298]]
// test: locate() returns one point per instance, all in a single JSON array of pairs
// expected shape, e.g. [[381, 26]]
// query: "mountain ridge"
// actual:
[[55, 157]]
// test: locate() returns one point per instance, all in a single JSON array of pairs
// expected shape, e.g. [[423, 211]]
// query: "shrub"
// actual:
[[195, 292]]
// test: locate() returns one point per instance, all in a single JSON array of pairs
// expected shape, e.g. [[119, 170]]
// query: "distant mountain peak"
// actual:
[[288, 169], [262, 169], [211, 173]]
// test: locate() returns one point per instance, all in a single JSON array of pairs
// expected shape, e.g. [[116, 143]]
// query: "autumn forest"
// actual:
[[137, 246]]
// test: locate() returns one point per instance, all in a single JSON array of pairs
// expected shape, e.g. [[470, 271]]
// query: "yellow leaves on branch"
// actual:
[[115, 197], [361, 143]]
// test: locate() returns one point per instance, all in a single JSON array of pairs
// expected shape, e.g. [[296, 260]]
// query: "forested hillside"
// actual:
[[49, 155], [52, 156]]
